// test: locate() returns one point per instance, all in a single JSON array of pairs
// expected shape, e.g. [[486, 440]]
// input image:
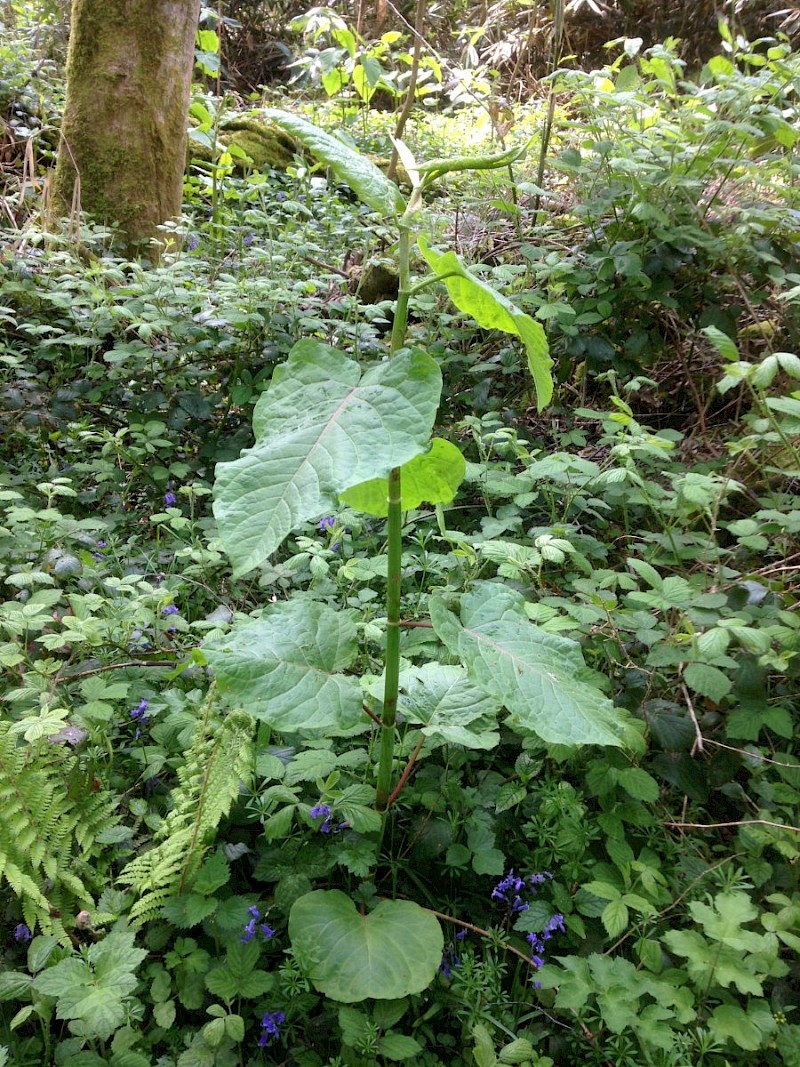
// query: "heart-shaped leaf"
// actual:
[[536, 674], [367, 181], [389, 953], [284, 668], [321, 428], [432, 477], [493, 311]]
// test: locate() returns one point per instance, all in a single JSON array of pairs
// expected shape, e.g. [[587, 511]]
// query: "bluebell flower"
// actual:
[[192, 241], [450, 962], [508, 891], [271, 1027], [322, 811], [22, 933], [249, 240], [538, 942], [170, 609], [250, 928], [327, 522], [170, 499], [140, 713]]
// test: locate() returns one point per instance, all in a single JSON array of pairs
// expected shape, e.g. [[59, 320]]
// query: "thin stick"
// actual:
[[407, 771], [698, 741], [739, 822]]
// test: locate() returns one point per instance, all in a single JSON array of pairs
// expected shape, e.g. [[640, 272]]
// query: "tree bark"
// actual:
[[122, 152]]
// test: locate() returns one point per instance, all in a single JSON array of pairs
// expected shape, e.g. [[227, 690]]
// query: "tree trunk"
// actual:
[[123, 138]]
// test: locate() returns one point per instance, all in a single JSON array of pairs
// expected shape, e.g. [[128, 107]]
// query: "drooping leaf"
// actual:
[[452, 709], [285, 667], [537, 675], [367, 181], [432, 477], [321, 428], [493, 311], [386, 954]]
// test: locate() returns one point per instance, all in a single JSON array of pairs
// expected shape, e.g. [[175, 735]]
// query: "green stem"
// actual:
[[394, 538], [392, 666]]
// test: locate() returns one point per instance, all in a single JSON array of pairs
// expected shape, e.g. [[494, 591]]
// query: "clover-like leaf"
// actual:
[[493, 311], [386, 954], [321, 428], [537, 675], [285, 667], [432, 477], [367, 181]]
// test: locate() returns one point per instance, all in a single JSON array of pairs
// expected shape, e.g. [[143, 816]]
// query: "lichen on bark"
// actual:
[[123, 137]]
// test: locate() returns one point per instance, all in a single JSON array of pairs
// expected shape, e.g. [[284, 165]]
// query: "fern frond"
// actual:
[[44, 830], [218, 760]]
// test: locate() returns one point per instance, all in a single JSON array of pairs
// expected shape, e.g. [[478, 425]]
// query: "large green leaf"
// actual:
[[493, 311], [367, 181], [432, 477], [537, 675], [321, 428], [284, 668], [452, 709], [389, 953]]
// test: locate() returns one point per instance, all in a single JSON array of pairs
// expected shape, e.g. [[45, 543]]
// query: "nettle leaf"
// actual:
[[386, 954], [452, 709], [538, 676], [321, 428], [708, 681], [433, 477], [367, 181], [493, 311], [285, 667]]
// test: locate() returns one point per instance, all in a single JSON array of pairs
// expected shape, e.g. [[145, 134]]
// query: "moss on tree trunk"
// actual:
[[123, 138]]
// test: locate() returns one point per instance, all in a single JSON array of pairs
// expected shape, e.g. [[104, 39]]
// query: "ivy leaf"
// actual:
[[367, 181], [493, 311], [389, 953], [433, 477], [284, 668], [321, 428], [537, 675]]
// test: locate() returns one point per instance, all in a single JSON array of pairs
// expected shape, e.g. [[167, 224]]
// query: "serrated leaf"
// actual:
[[615, 918], [432, 478], [537, 675], [709, 681], [386, 954], [321, 428], [91, 993], [451, 708], [14, 985], [164, 1014], [493, 311], [367, 181], [398, 1047], [285, 667], [638, 784], [730, 1021]]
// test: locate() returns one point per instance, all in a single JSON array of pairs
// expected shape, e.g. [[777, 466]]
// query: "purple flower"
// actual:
[[538, 941], [170, 499], [22, 933], [140, 713], [192, 241], [508, 891], [170, 609], [270, 1027], [249, 240], [327, 522], [250, 928]]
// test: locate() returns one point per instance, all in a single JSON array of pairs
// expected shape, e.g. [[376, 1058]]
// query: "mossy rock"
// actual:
[[264, 145], [378, 281]]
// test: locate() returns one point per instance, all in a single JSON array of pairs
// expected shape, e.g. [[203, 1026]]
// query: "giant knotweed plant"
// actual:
[[330, 431]]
